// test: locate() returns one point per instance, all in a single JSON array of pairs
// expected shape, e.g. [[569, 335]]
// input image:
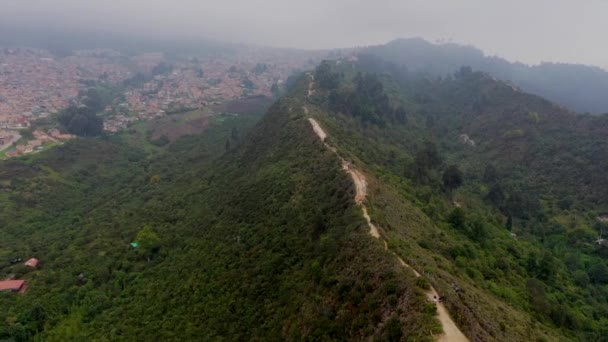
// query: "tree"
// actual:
[[490, 175], [81, 121], [537, 296], [93, 100], [522, 204], [367, 101], [565, 202], [477, 229], [426, 159], [325, 78], [393, 330], [598, 273], [248, 84], [452, 179], [496, 196], [400, 114], [457, 219], [148, 241], [509, 224], [546, 267]]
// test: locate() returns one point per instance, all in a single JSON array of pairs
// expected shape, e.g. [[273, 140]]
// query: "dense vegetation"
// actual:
[[491, 193], [505, 189], [257, 240], [81, 121], [580, 87], [82, 117]]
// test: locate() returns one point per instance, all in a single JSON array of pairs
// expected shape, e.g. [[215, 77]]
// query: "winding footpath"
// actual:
[[451, 332]]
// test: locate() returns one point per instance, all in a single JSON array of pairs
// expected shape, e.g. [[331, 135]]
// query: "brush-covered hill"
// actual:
[[255, 239], [490, 195], [495, 195], [580, 87]]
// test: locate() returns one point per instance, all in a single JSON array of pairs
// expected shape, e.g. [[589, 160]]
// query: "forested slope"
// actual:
[[261, 241], [493, 194]]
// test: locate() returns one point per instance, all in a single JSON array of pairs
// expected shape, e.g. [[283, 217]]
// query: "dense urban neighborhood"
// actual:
[[36, 84]]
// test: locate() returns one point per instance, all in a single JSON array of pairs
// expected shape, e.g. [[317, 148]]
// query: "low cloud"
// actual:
[[529, 31]]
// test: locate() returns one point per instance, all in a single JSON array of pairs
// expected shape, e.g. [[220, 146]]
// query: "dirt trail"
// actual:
[[451, 332], [311, 84], [315, 127]]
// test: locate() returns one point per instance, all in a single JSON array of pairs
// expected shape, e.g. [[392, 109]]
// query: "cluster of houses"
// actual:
[[18, 285], [34, 84], [7, 138], [121, 121], [194, 84], [40, 138]]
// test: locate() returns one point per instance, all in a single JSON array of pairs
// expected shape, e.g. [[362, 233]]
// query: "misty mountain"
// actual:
[[482, 185], [580, 87]]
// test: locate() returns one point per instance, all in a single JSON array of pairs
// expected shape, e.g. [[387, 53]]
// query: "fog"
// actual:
[[529, 31]]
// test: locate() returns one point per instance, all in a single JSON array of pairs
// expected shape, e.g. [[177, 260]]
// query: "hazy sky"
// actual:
[[524, 30]]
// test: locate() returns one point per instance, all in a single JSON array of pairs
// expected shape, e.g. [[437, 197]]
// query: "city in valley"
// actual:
[[37, 85]]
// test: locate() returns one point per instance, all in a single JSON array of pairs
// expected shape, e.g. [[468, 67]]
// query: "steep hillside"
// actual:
[[259, 240], [368, 203], [494, 195], [580, 87]]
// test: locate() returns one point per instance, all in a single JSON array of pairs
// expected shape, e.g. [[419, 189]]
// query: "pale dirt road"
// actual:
[[311, 84], [315, 127], [373, 230], [451, 332]]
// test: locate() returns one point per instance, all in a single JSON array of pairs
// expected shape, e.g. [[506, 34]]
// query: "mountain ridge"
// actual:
[[300, 228], [512, 207], [577, 86]]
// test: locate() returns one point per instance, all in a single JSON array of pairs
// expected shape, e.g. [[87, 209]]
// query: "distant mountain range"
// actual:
[[580, 87]]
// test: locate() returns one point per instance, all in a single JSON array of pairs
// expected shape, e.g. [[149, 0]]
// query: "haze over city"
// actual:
[[527, 31]]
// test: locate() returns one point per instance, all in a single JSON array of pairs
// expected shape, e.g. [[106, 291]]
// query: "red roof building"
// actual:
[[12, 285], [33, 262]]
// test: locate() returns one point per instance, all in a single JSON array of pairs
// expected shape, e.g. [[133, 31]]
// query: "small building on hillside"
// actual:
[[33, 262], [13, 286]]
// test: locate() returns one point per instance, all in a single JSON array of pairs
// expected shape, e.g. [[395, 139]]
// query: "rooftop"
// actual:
[[33, 262], [11, 285]]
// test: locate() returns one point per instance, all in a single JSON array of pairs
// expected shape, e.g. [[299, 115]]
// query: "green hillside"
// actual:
[[255, 239], [252, 230], [493, 193]]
